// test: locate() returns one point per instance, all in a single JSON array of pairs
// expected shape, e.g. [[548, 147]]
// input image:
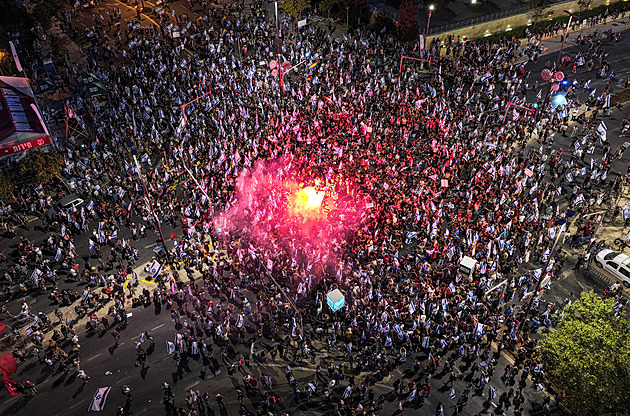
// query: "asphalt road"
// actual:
[[66, 395]]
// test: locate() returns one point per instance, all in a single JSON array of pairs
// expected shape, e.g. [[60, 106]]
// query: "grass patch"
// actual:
[[621, 97]]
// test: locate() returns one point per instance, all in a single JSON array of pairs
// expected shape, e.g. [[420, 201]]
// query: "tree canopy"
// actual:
[[41, 166], [588, 357]]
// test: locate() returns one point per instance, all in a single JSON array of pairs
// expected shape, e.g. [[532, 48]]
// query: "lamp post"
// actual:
[[275, 5], [347, 19], [426, 32], [157, 219]]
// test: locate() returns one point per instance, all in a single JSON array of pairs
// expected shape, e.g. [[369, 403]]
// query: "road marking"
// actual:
[[145, 15], [77, 404], [157, 327], [91, 358], [123, 379], [193, 385], [151, 245]]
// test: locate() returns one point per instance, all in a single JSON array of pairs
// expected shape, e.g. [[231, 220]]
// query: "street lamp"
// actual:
[[347, 24], [431, 8]]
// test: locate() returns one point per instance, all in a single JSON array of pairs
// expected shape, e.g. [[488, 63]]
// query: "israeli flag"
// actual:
[[388, 341], [240, 321], [347, 392], [410, 236], [601, 131], [452, 393], [412, 308], [98, 401], [425, 342], [220, 330], [90, 205], [63, 230], [545, 256], [194, 348], [170, 348], [443, 343], [493, 393], [36, 274], [134, 278], [154, 269], [479, 330], [91, 244], [451, 287], [625, 212], [551, 232], [58, 255], [412, 395], [35, 319]]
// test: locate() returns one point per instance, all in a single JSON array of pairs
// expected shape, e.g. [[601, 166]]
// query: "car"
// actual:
[[65, 204], [617, 264]]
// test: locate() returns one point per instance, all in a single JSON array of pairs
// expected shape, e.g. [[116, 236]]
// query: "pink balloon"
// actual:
[[555, 87], [559, 76], [274, 73], [546, 74], [273, 64]]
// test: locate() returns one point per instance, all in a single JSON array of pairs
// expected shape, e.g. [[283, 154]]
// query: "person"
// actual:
[[83, 376], [116, 336]]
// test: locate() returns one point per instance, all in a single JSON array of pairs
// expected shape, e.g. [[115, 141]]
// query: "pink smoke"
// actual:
[[276, 211]]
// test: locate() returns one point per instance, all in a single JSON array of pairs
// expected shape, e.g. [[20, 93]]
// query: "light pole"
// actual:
[[275, 5], [426, 33], [157, 219]]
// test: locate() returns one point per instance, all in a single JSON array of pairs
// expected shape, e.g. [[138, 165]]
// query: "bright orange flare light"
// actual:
[[311, 197]]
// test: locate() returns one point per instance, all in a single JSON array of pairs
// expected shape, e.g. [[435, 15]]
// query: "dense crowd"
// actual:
[[446, 174]]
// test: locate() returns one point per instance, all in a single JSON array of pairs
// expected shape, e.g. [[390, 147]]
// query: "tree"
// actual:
[[6, 187], [588, 357], [295, 7], [327, 5], [408, 19], [584, 4], [42, 166], [44, 12]]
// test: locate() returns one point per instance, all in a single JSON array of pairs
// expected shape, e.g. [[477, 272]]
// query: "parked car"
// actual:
[[66, 203], [617, 264]]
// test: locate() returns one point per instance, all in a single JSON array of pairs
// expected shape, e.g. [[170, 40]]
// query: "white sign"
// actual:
[[301, 23]]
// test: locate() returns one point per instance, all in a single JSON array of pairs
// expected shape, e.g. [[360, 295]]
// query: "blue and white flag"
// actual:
[[601, 131], [410, 236], [98, 401], [58, 255], [194, 348], [154, 269], [493, 393], [63, 231], [91, 244], [240, 321], [425, 342], [170, 347], [479, 330], [452, 393]]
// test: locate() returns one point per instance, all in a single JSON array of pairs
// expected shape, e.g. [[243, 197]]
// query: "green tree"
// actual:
[[584, 4], [42, 166], [588, 357], [44, 12], [6, 187], [326, 6], [295, 7]]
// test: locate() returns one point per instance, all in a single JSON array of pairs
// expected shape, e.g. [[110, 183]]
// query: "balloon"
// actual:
[[559, 76], [273, 64], [546, 74], [555, 87], [274, 73]]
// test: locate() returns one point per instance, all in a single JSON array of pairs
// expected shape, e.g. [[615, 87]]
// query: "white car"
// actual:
[[617, 264]]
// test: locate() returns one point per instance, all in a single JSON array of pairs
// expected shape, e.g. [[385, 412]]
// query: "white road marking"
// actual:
[[157, 327], [77, 404], [151, 245], [123, 379], [91, 358], [193, 385]]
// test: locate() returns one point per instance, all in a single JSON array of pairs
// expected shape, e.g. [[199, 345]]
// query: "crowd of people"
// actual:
[[445, 155]]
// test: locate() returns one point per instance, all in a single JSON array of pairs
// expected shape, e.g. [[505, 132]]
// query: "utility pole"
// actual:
[[157, 219]]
